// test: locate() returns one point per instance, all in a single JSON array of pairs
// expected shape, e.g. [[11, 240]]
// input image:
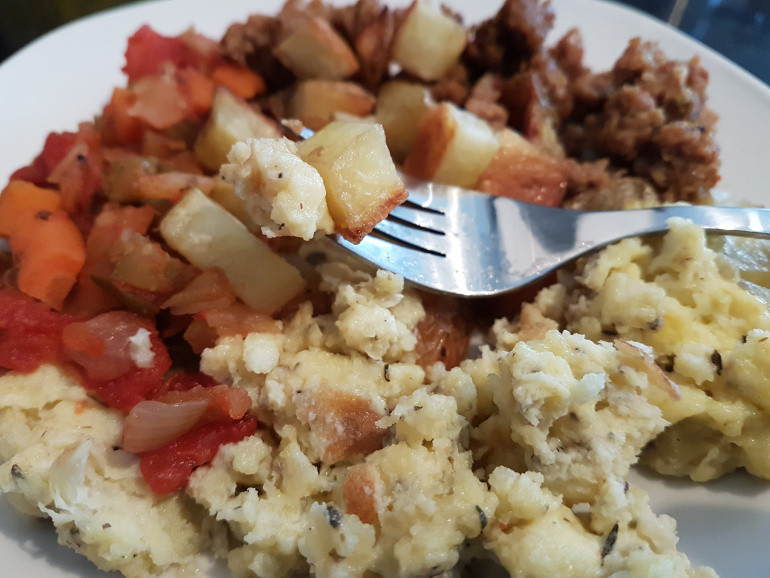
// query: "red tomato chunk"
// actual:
[[148, 51], [168, 469], [102, 348], [30, 332]]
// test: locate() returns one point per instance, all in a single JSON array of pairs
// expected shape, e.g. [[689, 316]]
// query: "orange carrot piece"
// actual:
[[51, 254], [20, 201], [240, 80], [197, 88]]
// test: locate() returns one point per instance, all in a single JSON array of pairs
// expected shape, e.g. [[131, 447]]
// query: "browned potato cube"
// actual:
[[400, 107], [428, 42], [231, 120], [452, 146], [362, 185], [316, 102], [524, 172], [317, 51], [208, 236]]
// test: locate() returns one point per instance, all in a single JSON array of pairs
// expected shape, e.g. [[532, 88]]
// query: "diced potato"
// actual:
[[428, 42], [524, 172], [231, 120], [208, 236], [400, 106], [316, 50], [282, 192], [224, 194], [452, 146], [316, 102], [362, 185]]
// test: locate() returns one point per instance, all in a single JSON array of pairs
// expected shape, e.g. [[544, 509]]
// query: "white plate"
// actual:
[[67, 76]]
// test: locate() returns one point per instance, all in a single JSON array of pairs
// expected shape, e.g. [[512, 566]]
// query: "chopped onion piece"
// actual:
[[635, 356], [153, 424]]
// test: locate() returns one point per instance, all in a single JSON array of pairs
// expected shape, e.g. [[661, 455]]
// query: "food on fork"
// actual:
[[193, 369]]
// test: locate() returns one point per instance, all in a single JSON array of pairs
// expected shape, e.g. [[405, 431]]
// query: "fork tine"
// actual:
[[424, 195], [417, 238], [401, 259], [419, 217]]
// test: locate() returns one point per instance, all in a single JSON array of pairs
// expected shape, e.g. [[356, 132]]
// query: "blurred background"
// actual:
[[739, 29]]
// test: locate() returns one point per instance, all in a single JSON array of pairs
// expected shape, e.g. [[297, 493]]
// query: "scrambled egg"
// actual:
[[61, 459], [711, 335], [369, 464], [278, 188]]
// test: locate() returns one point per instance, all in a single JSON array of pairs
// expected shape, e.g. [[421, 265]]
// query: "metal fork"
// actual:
[[454, 241]]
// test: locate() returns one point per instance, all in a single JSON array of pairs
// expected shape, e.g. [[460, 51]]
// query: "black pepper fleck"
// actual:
[[43, 215], [655, 324], [482, 517], [334, 516], [316, 258], [16, 472], [666, 362], [609, 543], [106, 526], [386, 372], [716, 359]]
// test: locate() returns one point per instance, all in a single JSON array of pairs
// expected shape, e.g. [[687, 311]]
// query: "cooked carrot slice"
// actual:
[[51, 254], [240, 80], [21, 201]]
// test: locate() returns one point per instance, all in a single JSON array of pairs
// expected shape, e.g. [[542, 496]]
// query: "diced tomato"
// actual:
[[148, 51], [197, 89], [209, 290], [168, 469], [182, 381], [185, 162], [233, 319], [116, 222], [206, 49], [102, 251], [112, 368], [159, 102], [119, 127], [72, 161], [30, 332], [172, 185], [141, 274], [159, 145], [240, 319], [224, 402], [57, 146], [79, 174]]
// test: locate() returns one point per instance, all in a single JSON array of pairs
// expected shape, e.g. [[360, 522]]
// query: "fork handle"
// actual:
[[551, 237], [599, 229]]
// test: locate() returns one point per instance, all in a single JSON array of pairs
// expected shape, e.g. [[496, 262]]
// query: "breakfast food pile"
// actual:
[[192, 369]]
